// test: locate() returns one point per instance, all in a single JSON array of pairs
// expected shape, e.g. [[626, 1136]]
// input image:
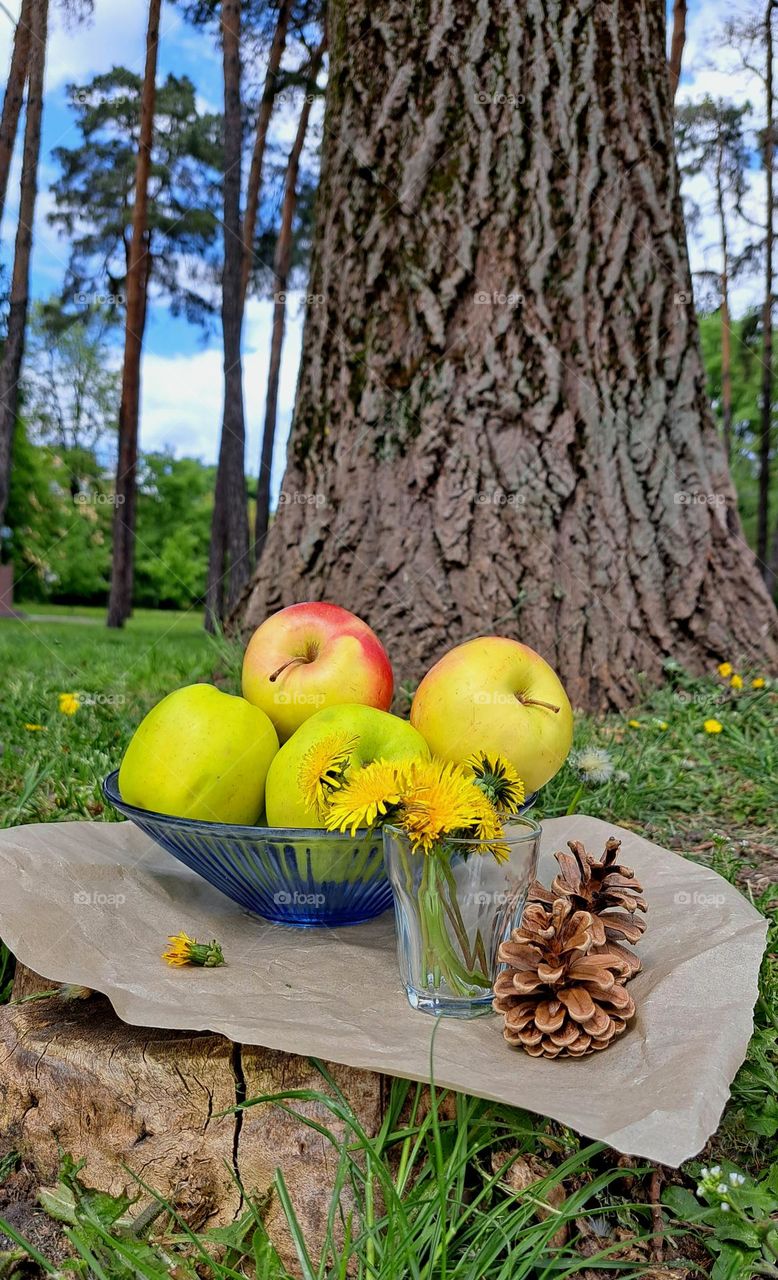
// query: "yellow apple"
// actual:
[[200, 753], [496, 695], [377, 735]]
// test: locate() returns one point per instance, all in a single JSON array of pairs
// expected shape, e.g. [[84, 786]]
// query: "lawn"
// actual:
[[452, 1206]]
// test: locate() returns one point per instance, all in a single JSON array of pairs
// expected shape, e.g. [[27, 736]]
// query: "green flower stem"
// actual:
[[440, 955]]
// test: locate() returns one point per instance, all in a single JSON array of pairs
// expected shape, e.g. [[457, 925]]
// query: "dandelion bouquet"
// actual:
[[444, 823]]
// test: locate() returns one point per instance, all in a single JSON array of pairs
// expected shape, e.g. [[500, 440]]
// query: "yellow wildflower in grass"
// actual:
[[323, 769], [69, 703], [185, 950], [368, 795], [439, 799], [724, 669], [713, 726], [498, 780], [757, 683], [662, 724], [634, 724], [34, 728], [736, 682]]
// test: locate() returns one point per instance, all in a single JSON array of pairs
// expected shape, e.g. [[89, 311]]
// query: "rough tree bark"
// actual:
[[260, 140], [13, 351], [677, 42], [766, 426], [138, 271], [13, 96], [501, 405], [282, 262], [228, 564]]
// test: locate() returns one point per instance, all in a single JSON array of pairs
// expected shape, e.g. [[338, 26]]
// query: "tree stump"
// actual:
[[74, 1078]]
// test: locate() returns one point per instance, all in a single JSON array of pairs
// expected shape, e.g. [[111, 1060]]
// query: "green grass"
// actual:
[[429, 1196]]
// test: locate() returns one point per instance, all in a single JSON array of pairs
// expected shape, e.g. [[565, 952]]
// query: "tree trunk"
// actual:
[[501, 404], [281, 264], [726, 325], [228, 566], [765, 434], [772, 570], [75, 1079], [123, 557], [260, 140], [677, 43], [13, 351], [14, 93]]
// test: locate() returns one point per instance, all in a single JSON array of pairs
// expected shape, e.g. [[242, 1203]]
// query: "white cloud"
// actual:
[[182, 395]]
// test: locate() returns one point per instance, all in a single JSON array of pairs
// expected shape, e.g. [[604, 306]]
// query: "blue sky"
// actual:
[[182, 371]]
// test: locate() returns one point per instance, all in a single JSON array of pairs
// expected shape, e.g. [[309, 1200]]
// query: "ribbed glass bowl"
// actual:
[[289, 875]]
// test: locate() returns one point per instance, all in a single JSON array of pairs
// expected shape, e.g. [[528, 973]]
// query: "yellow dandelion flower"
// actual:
[[758, 683], [69, 703], [725, 669], [498, 780], [323, 769], [488, 828], [736, 682], [34, 728], [440, 798], [713, 726], [368, 795], [634, 724], [662, 724], [185, 950]]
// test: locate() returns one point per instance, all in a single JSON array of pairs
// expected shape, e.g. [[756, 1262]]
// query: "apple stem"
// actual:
[[284, 665], [535, 702]]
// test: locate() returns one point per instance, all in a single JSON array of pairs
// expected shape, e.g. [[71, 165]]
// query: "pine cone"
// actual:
[[562, 994], [606, 889]]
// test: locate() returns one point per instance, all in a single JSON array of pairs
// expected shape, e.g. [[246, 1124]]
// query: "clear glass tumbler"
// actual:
[[454, 906]]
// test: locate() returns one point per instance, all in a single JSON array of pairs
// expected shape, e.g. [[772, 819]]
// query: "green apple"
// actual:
[[200, 753], [493, 694], [377, 735]]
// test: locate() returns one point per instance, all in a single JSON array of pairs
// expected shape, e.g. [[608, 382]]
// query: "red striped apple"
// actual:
[[496, 695], [310, 656]]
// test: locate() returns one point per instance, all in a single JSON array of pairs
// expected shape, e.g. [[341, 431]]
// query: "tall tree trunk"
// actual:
[[502, 400], [14, 93], [138, 271], [228, 565], [677, 42], [281, 264], [726, 324], [13, 351], [260, 140], [772, 572], [766, 431]]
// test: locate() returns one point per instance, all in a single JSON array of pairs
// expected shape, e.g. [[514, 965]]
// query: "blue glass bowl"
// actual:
[[289, 875]]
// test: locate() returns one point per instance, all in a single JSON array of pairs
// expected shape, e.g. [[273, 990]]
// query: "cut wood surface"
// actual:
[[75, 1079]]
